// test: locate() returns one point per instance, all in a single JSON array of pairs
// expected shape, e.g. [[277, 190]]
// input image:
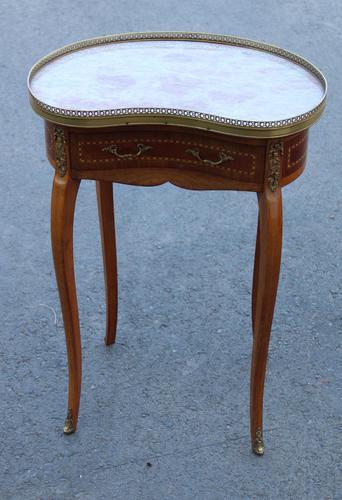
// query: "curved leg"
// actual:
[[63, 200], [104, 191], [266, 283], [255, 275]]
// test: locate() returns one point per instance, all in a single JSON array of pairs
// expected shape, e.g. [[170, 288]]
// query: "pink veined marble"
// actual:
[[235, 82]]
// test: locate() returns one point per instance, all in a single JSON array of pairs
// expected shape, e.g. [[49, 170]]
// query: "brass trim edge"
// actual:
[[170, 116]]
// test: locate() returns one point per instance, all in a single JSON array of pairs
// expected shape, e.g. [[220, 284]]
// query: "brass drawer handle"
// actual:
[[222, 155], [113, 149]]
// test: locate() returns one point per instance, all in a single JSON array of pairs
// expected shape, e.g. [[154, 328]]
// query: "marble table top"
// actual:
[[239, 83]]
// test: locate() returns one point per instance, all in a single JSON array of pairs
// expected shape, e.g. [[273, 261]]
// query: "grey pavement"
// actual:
[[165, 413]]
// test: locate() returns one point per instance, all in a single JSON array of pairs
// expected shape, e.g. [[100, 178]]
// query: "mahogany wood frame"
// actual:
[[149, 155]]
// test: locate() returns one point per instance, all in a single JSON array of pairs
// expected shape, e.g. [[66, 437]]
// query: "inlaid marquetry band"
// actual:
[[103, 118], [291, 164], [250, 171]]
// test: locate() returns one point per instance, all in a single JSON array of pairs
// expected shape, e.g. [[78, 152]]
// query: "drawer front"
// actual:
[[126, 149]]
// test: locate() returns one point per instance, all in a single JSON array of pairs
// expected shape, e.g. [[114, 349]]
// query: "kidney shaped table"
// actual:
[[200, 111]]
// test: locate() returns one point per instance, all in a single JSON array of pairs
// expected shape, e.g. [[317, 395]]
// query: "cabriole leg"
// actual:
[[64, 194], [104, 191], [265, 284], [255, 275]]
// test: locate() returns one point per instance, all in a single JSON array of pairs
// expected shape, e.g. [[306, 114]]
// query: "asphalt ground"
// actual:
[[165, 412]]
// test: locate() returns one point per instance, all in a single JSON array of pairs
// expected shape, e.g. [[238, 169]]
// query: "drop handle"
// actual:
[[113, 149], [223, 157]]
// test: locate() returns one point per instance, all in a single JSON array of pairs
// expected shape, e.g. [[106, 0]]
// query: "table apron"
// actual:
[[188, 158]]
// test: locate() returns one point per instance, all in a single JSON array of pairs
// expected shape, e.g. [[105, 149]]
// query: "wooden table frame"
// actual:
[[149, 155]]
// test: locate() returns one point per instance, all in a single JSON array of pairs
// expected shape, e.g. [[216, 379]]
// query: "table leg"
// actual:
[[63, 200], [104, 191], [266, 274], [255, 275]]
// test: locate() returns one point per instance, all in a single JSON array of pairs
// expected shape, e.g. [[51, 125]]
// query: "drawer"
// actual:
[[166, 147]]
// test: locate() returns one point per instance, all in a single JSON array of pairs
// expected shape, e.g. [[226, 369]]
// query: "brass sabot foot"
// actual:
[[258, 443], [69, 427]]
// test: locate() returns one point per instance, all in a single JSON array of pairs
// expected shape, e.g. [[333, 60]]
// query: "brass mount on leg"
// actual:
[[274, 165], [258, 443], [69, 427], [60, 147]]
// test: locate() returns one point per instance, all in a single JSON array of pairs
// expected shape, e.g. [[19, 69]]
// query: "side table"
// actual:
[[200, 111]]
